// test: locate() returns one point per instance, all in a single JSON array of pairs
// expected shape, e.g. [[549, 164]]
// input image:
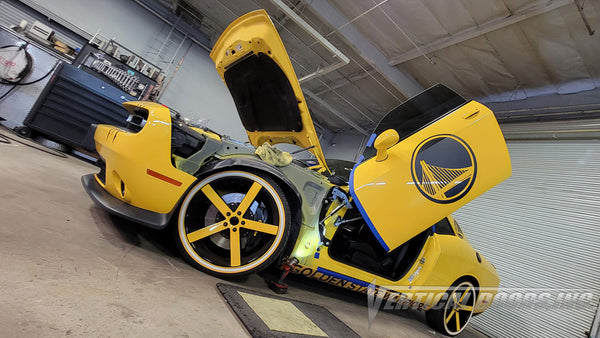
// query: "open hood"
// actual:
[[427, 158], [251, 59]]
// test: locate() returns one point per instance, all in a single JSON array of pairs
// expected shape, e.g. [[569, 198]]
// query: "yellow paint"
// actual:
[[444, 259], [282, 315], [205, 232], [236, 266], [249, 198], [385, 141], [234, 245], [216, 200], [390, 196], [255, 33], [261, 227], [385, 188], [129, 155]]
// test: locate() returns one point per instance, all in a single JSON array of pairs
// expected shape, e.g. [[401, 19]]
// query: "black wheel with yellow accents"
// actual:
[[233, 223], [451, 315]]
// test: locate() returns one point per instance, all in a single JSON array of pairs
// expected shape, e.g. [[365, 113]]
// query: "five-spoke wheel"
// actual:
[[233, 223], [451, 314]]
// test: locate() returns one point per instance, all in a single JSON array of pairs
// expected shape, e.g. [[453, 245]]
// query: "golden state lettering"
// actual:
[[312, 273], [389, 296]]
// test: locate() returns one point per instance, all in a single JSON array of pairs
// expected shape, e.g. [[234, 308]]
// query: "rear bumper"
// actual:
[[117, 207]]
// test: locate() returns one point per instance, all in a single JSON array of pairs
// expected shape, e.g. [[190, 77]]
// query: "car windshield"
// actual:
[[416, 113]]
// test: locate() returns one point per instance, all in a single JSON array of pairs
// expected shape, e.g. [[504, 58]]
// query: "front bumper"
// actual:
[[117, 207], [138, 168]]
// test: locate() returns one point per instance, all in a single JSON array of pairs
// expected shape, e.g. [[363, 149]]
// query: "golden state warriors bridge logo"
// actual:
[[443, 168]]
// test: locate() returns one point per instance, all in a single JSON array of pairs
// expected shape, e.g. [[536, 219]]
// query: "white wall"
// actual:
[[123, 20], [196, 91]]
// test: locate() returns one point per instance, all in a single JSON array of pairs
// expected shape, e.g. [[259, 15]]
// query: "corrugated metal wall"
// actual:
[[541, 229]]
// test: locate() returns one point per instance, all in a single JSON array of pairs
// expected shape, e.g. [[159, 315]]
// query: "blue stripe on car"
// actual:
[[344, 277], [362, 210]]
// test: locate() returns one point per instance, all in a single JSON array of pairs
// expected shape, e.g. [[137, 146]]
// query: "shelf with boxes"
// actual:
[[114, 63]]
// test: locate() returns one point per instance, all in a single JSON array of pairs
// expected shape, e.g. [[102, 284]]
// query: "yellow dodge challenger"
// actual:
[[381, 224]]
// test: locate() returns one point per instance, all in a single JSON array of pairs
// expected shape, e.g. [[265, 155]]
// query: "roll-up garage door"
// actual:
[[541, 229]]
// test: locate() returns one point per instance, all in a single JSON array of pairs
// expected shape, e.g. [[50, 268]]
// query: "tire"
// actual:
[[233, 223], [452, 314]]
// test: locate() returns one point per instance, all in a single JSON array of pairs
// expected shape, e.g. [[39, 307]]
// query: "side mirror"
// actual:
[[385, 141]]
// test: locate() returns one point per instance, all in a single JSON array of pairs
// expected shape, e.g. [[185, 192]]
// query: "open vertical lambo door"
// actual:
[[254, 64], [427, 158]]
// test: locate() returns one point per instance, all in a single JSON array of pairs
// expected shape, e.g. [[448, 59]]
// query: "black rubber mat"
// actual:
[[328, 324]]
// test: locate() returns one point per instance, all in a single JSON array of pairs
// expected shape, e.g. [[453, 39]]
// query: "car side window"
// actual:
[[443, 227]]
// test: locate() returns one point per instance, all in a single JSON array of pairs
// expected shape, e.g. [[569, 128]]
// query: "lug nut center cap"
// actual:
[[234, 221]]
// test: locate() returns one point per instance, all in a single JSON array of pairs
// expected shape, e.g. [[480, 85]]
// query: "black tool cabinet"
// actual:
[[72, 101]]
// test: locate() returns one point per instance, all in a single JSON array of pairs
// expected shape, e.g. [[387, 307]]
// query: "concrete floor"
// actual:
[[70, 269]]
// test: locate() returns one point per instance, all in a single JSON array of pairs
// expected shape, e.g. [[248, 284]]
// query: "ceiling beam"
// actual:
[[529, 11], [335, 112], [401, 80], [343, 59], [346, 81]]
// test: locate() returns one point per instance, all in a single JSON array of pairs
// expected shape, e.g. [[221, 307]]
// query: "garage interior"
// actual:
[[70, 268]]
